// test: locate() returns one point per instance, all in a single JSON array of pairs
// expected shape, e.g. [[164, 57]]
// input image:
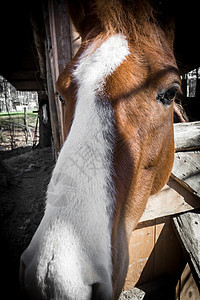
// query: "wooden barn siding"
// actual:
[[154, 252], [188, 230], [186, 170], [154, 248], [186, 288], [50, 86], [59, 54], [62, 43], [187, 136]]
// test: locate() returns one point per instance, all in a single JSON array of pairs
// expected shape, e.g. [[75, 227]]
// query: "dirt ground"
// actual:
[[24, 176]]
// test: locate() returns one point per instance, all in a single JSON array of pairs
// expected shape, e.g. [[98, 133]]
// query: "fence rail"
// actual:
[[14, 134]]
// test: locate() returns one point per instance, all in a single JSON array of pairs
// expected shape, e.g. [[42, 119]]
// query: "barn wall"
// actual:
[[58, 55], [154, 252]]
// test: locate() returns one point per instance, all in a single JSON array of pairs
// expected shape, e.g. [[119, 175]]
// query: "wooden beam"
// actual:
[[133, 294], [186, 287], [187, 136], [52, 106], [187, 226], [171, 200], [186, 170], [60, 52]]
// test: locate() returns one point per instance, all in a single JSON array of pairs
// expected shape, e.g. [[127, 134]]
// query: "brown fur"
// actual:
[[145, 147], [145, 150]]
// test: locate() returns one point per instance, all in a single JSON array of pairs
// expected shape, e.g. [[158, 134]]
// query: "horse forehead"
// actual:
[[96, 64]]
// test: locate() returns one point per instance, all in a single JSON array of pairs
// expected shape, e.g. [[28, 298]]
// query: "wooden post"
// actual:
[[187, 226], [186, 287], [187, 136], [25, 124], [60, 35], [186, 170], [58, 55], [52, 106]]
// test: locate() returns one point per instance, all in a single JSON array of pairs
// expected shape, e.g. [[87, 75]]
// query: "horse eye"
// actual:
[[167, 96]]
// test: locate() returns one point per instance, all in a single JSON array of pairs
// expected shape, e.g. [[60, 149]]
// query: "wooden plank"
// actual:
[[187, 136], [172, 199], [188, 228], [186, 287], [134, 294], [58, 55], [58, 60], [154, 251], [52, 106], [141, 245], [167, 250], [161, 288], [55, 126], [186, 170], [60, 35]]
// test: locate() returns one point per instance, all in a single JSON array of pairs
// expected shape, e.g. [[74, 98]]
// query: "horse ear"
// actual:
[[80, 12]]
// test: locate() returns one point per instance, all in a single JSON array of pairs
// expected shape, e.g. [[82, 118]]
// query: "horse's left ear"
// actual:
[[81, 14]]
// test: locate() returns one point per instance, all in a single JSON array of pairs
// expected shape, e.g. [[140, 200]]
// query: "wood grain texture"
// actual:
[[154, 251], [186, 170], [188, 228], [187, 136], [186, 287], [172, 199]]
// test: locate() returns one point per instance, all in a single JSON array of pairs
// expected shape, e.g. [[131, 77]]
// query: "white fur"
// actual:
[[71, 249]]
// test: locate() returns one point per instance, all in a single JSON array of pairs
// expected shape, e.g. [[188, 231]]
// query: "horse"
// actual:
[[119, 93]]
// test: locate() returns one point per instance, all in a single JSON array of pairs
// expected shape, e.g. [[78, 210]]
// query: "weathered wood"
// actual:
[[60, 35], [161, 288], [188, 228], [172, 199], [134, 294], [50, 89], [186, 287], [187, 136], [154, 251], [60, 52], [186, 170]]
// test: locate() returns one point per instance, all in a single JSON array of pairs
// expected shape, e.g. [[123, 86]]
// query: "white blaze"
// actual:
[[71, 249]]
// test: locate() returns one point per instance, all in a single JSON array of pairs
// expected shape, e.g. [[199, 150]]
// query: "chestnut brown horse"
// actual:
[[119, 92]]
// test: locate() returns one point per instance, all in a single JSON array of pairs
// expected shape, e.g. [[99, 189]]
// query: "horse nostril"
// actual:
[[95, 288], [100, 292]]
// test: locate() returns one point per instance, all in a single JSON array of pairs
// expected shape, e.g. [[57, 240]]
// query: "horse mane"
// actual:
[[127, 17], [133, 18]]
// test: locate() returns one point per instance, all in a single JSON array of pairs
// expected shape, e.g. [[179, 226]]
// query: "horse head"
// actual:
[[119, 91]]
